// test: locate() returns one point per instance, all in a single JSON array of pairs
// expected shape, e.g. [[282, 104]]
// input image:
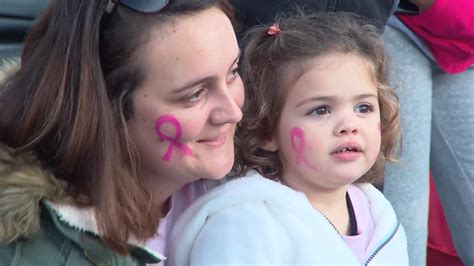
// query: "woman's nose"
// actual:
[[228, 107]]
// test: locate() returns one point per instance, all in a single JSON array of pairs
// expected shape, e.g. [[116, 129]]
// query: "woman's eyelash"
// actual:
[[195, 96], [235, 73]]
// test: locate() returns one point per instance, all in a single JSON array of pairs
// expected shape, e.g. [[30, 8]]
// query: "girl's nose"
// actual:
[[346, 127]]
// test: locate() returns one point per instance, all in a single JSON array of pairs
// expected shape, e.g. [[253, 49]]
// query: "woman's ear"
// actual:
[[269, 145]]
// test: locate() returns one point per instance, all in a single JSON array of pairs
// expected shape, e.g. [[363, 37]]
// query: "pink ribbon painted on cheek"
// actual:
[[298, 143], [174, 141]]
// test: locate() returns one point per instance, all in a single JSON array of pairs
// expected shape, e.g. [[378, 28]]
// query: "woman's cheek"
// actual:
[[169, 130]]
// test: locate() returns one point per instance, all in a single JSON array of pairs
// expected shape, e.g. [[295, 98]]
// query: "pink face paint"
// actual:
[[298, 143], [174, 141]]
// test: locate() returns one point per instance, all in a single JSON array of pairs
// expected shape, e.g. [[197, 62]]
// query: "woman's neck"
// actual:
[[162, 189]]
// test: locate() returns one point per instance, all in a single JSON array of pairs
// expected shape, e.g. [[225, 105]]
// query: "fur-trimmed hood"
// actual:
[[23, 183]]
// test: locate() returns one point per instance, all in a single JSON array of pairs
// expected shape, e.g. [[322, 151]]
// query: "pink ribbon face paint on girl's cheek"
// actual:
[[173, 140], [298, 143]]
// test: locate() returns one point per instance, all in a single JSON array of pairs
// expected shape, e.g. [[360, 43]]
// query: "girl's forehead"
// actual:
[[290, 72], [330, 75]]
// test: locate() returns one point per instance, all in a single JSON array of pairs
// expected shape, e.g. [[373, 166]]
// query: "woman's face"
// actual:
[[186, 110]]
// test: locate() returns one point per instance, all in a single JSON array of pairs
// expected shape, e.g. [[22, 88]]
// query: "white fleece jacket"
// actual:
[[256, 221]]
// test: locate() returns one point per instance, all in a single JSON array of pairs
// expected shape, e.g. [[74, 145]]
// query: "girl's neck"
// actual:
[[334, 208], [330, 202]]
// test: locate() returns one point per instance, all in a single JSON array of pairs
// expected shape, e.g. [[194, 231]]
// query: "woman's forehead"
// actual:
[[192, 46]]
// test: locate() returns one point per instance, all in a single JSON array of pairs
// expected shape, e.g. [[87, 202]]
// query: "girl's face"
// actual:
[[328, 134], [186, 110]]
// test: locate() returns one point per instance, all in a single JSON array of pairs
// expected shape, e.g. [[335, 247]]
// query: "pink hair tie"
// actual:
[[274, 30]]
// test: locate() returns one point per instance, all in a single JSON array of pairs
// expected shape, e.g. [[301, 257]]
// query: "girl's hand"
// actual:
[[423, 4]]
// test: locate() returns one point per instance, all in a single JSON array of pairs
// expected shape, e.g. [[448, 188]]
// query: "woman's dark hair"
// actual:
[[269, 58], [69, 103]]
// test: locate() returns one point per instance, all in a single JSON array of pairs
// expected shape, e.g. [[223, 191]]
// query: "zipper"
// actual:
[[329, 221], [349, 205], [383, 245]]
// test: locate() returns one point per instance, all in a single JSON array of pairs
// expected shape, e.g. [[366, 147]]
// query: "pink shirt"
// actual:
[[179, 202], [365, 224]]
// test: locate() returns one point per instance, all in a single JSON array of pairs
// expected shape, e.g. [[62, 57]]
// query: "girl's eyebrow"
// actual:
[[316, 99], [365, 96], [194, 83], [334, 98]]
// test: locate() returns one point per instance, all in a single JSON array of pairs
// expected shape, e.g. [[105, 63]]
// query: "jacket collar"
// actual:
[[73, 222]]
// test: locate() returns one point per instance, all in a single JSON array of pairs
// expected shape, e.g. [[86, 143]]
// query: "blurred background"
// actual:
[[16, 17]]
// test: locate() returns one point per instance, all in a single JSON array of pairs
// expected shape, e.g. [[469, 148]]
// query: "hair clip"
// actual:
[[274, 29], [110, 6]]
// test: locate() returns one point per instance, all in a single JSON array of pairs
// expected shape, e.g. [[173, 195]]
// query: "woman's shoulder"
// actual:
[[58, 243], [33, 230], [48, 246]]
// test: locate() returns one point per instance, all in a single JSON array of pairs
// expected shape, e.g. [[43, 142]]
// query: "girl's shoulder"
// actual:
[[245, 202], [245, 220], [252, 188], [379, 205]]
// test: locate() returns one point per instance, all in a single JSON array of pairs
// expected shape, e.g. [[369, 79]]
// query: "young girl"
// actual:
[[319, 124]]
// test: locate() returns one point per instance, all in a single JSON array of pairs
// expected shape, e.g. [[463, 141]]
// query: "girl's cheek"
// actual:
[[300, 147]]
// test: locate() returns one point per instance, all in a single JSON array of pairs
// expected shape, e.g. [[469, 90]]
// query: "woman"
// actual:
[[115, 107]]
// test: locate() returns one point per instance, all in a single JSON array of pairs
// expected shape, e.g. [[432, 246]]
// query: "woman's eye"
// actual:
[[364, 108], [195, 96], [320, 110], [233, 75]]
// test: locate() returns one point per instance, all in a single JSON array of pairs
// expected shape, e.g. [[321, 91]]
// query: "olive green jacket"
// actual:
[[40, 225]]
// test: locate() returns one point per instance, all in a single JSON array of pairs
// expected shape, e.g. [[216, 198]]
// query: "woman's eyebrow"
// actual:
[[195, 82], [191, 84]]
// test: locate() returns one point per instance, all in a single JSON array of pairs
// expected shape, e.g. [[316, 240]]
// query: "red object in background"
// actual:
[[441, 251]]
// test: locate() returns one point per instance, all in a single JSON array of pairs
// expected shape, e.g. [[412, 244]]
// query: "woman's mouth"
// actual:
[[214, 141]]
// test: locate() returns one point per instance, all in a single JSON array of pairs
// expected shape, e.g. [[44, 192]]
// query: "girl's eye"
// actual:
[[320, 110], [196, 96], [233, 75], [364, 108]]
